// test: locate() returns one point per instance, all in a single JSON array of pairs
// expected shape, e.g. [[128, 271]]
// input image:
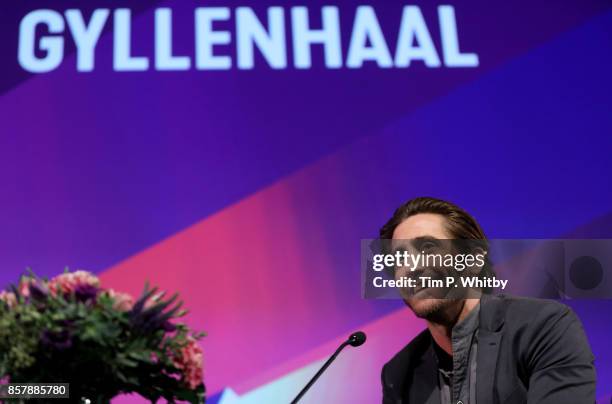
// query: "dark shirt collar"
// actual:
[[468, 325], [462, 330]]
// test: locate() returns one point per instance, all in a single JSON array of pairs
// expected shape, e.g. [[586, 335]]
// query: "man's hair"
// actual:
[[459, 223]]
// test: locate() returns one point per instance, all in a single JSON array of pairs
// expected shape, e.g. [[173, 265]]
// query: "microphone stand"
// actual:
[[320, 372]]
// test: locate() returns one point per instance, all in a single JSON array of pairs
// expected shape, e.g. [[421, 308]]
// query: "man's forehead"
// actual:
[[422, 225]]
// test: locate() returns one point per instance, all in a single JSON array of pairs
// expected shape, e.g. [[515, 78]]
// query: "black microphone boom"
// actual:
[[355, 339]]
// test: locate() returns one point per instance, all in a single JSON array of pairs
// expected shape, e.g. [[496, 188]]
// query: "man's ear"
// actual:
[[476, 250], [479, 252]]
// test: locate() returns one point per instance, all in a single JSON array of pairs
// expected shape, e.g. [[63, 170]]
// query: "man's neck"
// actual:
[[441, 331]]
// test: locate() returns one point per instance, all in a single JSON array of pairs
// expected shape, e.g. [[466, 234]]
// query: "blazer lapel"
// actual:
[[486, 363], [489, 337], [426, 378]]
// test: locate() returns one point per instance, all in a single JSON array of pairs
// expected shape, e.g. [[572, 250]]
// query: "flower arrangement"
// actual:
[[103, 342]]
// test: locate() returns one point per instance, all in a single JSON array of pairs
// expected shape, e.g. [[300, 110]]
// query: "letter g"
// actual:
[[52, 45]]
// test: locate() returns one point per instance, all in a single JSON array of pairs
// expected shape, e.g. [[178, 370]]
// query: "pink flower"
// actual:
[[68, 282], [24, 285], [190, 362], [9, 298], [122, 301]]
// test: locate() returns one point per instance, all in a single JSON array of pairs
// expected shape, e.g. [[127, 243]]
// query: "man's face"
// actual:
[[424, 225]]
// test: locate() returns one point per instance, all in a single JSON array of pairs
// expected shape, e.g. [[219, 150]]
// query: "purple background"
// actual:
[[99, 167]]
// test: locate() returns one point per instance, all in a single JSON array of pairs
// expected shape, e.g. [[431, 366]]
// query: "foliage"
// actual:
[[70, 330]]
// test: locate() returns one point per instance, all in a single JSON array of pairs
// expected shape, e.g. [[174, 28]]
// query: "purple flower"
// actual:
[[149, 319], [86, 293], [60, 340], [168, 326], [38, 291]]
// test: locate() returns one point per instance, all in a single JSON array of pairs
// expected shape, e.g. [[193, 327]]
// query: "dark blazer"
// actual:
[[529, 351]]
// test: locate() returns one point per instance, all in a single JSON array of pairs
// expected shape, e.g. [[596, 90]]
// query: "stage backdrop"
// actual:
[[237, 152]]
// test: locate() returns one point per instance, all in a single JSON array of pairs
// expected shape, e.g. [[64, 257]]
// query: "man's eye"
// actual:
[[427, 245]]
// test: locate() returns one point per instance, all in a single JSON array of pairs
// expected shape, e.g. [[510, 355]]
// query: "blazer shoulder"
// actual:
[[401, 361], [534, 316], [533, 307]]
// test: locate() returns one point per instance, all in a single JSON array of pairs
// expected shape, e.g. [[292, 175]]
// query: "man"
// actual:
[[485, 349]]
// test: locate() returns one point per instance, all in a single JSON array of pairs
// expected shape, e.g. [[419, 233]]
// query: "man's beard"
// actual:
[[439, 311]]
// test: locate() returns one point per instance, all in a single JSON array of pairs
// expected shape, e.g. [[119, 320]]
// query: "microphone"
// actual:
[[355, 339]]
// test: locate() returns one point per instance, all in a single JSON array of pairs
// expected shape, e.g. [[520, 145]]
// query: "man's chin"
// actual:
[[427, 307]]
